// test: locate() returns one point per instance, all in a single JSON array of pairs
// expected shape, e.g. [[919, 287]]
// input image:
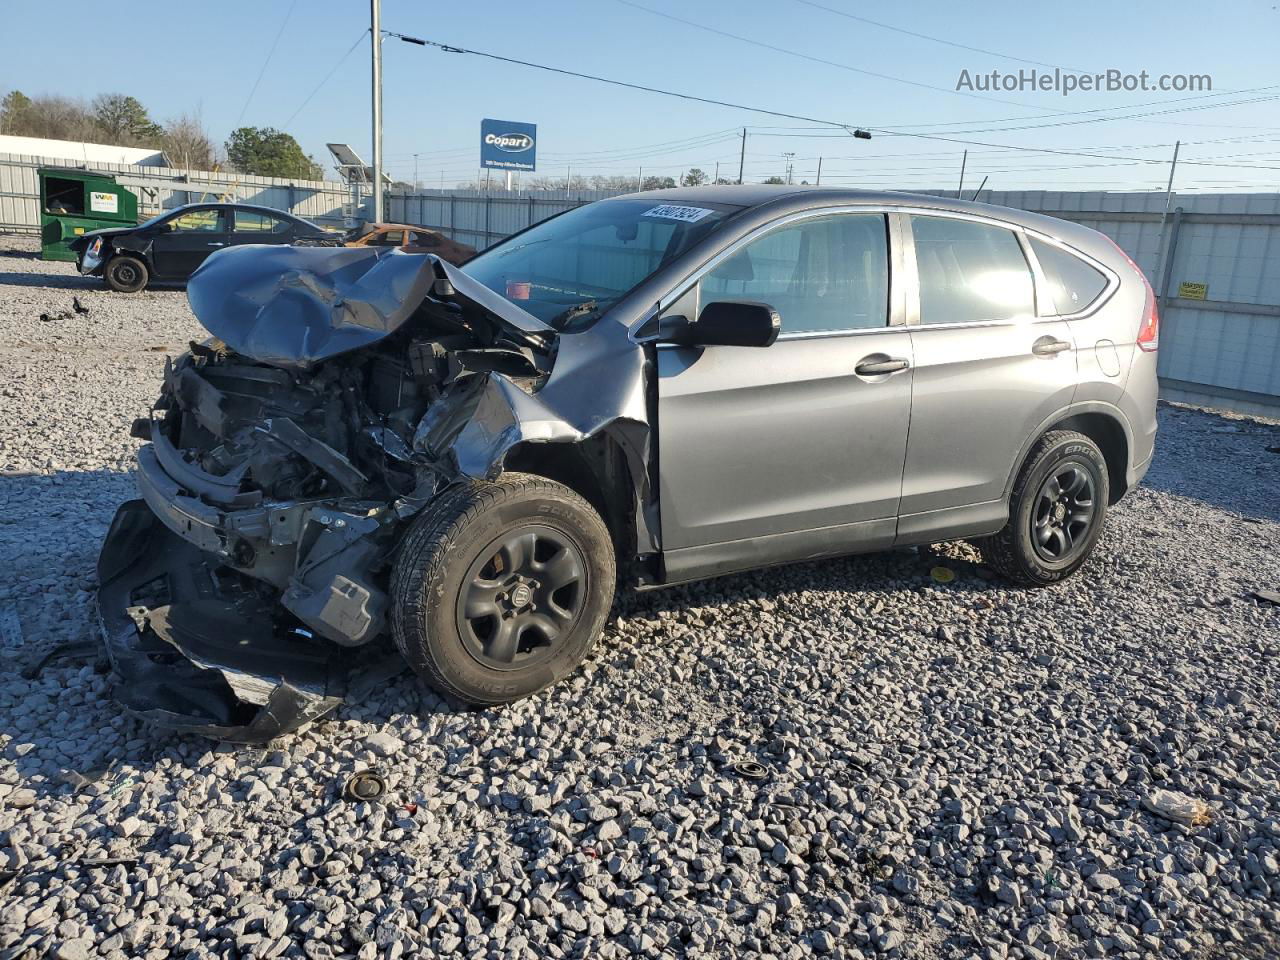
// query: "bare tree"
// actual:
[[186, 143]]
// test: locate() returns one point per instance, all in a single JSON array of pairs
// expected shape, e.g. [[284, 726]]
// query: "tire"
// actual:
[[1045, 540], [456, 575], [125, 274]]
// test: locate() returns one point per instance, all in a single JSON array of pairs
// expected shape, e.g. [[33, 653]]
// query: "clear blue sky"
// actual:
[[177, 56]]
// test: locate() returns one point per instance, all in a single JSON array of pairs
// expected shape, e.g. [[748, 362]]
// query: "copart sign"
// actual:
[[508, 144]]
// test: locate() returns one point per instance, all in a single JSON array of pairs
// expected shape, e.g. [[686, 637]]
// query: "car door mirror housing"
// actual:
[[730, 323]]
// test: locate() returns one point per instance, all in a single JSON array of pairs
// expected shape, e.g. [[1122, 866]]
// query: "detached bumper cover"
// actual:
[[201, 649]]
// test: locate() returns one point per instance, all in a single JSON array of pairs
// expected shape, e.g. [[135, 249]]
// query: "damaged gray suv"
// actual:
[[642, 391]]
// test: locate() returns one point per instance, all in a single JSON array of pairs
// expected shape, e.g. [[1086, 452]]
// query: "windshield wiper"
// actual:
[[576, 312]]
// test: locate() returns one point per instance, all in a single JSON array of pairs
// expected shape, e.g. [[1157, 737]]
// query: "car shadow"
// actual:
[[56, 281], [1242, 475]]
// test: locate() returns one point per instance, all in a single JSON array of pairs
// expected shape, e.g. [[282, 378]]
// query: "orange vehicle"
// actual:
[[410, 239]]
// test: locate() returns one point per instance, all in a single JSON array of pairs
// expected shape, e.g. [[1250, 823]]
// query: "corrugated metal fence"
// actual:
[[160, 188], [1219, 282]]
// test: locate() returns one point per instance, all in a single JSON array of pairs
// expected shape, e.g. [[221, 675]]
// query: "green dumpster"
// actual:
[[73, 202]]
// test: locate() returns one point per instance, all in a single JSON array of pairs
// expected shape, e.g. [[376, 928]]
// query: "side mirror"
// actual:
[[729, 323]]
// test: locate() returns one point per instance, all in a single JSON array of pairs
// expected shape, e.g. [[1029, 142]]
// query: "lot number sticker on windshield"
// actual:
[[669, 211]]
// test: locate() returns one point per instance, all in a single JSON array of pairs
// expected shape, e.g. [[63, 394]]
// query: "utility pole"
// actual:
[[640, 180], [415, 171], [818, 182], [789, 155], [963, 161], [442, 181], [1168, 199], [743, 155], [568, 181], [375, 35], [716, 178], [1168, 191]]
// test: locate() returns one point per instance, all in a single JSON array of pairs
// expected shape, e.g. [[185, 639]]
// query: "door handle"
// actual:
[[878, 364], [215, 243], [1049, 347]]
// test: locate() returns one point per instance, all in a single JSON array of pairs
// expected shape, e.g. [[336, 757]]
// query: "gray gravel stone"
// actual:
[[953, 770]]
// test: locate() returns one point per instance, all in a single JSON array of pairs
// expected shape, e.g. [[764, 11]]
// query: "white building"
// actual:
[[78, 152]]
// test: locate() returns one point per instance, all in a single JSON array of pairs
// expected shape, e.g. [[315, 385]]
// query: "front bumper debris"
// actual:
[[201, 649]]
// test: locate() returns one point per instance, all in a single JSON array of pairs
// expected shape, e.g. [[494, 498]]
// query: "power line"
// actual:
[[451, 48], [332, 70], [858, 132], [270, 54], [822, 60], [986, 99], [949, 43]]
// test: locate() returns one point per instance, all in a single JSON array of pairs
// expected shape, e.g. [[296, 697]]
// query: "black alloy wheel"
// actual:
[[1064, 512], [521, 598]]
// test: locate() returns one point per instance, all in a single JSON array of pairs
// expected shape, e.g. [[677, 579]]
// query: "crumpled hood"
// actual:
[[294, 306]]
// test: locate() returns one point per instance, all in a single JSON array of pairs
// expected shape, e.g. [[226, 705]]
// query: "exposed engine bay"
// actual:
[[341, 391]]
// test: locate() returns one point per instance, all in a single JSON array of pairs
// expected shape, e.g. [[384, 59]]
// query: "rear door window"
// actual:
[[1073, 284], [250, 221], [822, 275], [970, 271]]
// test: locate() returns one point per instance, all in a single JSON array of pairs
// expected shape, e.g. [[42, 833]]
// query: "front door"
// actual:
[[799, 444], [987, 373], [190, 238]]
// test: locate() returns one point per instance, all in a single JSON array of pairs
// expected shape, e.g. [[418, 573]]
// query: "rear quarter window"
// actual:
[[1073, 284]]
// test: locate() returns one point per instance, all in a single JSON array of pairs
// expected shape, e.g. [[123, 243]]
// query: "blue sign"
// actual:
[[507, 145]]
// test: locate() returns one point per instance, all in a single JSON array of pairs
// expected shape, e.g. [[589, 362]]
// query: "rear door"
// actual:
[[255, 226], [191, 237], [988, 371], [759, 445]]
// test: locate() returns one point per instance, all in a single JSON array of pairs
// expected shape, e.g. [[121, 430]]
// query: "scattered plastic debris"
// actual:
[[76, 648], [942, 574], [365, 785], [750, 770], [1267, 596], [78, 307], [1177, 807]]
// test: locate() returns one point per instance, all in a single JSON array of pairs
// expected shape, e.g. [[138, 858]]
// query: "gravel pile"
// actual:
[[847, 758]]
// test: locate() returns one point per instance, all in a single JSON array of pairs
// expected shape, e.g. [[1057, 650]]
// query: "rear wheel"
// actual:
[[501, 588], [1056, 511], [125, 274]]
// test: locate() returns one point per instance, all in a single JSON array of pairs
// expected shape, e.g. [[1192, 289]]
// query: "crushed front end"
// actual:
[[245, 593]]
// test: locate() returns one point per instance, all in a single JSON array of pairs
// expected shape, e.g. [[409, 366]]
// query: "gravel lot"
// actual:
[[951, 770]]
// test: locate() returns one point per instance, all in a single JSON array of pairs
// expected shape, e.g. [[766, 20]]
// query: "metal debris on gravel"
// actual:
[[955, 771]]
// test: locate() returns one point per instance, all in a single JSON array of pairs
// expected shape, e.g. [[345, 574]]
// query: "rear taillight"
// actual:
[[1149, 332]]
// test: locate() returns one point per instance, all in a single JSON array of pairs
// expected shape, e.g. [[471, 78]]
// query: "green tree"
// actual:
[[774, 180], [267, 152], [124, 120], [694, 178], [659, 183], [14, 110]]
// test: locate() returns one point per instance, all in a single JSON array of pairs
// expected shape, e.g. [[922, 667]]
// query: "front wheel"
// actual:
[[1056, 511], [125, 274], [502, 588]]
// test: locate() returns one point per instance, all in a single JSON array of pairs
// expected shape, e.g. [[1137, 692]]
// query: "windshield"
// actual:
[[568, 270]]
